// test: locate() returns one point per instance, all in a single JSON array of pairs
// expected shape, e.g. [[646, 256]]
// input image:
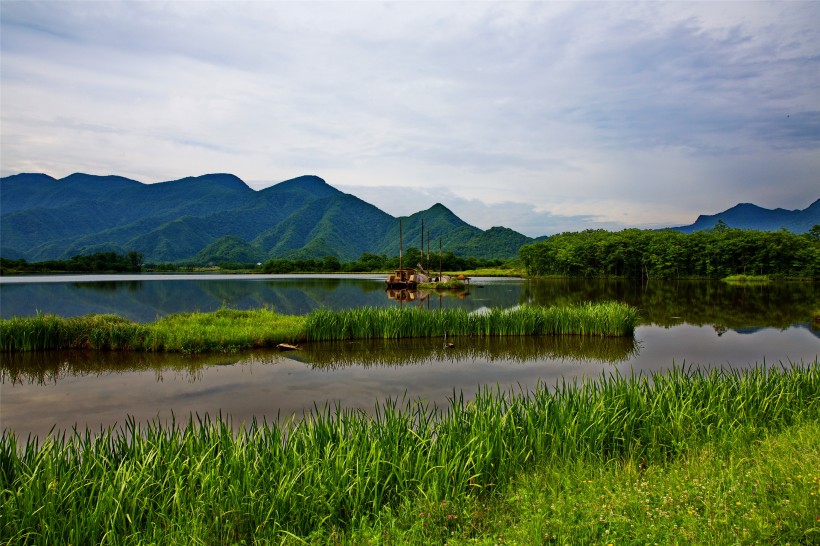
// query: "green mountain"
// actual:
[[217, 217]]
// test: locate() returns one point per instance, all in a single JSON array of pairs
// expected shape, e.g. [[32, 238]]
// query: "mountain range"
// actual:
[[217, 217]]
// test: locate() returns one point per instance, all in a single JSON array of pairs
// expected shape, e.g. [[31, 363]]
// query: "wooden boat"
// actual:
[[406, 278], [402, 279]]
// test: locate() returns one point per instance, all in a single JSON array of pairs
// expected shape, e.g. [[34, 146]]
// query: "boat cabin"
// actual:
[[402, 278]]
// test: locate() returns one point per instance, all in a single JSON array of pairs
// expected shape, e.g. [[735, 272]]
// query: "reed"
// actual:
[[590, 319], [201, 481], [222, 330], [747, 279], [231, 330], [452, 284]]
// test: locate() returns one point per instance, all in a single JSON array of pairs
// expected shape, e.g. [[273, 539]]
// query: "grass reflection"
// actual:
[[44, 367], [516, 349]]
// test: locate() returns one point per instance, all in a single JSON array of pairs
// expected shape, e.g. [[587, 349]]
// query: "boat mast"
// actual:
[[401, 265], [439, 258]]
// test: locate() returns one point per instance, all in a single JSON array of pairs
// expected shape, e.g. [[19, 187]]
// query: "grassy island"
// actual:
[[747, 279], [452, 284], [231, 330], [684, 456]]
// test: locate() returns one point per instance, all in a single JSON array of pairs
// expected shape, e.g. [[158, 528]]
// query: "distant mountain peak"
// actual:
[[308, 183], [223, 180], [751, 216], [39, 177]]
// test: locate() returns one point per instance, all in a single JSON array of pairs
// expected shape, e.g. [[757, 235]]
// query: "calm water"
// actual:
[[693, 323]]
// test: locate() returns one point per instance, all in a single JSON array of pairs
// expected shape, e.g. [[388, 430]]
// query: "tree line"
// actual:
[[631, 253], [668, 254], [100, 262], [368, 262]]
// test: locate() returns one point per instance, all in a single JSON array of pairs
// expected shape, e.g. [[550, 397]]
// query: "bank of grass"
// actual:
[[765, 491], [667, 458], [452, 284], [490, 272], [222, 330], [747, 279], [594, 319], [230, 330]]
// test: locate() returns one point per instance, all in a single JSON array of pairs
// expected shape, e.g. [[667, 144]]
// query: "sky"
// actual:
[[542, 117]]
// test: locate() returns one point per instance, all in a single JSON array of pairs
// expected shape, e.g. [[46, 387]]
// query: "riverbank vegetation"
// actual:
[[747, 279], [680, 456], [590, 319], [231, 330], [100, 262], [669, 254], [452, 284]]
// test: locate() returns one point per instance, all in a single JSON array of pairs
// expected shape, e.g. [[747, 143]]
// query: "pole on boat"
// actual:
[[401, 265], [439, 259], [421, 262], [428, 251]]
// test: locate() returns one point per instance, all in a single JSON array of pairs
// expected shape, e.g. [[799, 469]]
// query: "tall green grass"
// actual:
[[230, 330], [747, 279], [593, 319], [222, 330], [203, 482]]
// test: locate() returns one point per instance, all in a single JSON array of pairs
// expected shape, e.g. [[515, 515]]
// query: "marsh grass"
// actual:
[[490, 272], [222, 330], [593, 319], [452, 284], [228, 330], [747, 279], [329, 473]]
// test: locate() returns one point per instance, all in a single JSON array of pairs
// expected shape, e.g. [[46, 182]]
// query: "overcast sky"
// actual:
[[542, 117]]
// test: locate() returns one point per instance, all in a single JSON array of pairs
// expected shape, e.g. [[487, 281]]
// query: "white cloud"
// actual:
[[541, 116]]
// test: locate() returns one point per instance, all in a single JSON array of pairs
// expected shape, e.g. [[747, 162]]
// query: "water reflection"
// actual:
[[669, 303], [45, 367], [145, 300], [514, 349], [49, 367], [427, 297], [90, 389], [694, 322]]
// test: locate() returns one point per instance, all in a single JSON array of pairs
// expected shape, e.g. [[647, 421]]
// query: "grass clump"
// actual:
[[222, 330], [231, 330], [747, 279], [452, 284], [593, 319], [412, 473]]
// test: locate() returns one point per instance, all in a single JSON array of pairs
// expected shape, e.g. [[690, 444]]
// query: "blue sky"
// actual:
[[542, 117]]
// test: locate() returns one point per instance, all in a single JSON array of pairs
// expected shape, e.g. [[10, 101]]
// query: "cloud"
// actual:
[[537, 116]]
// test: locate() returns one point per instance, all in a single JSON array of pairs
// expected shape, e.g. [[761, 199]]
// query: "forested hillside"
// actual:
[[218, 218], [667, 254]]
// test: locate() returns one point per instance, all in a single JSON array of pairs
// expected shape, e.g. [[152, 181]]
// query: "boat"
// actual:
[[402, 279], [408, 278]]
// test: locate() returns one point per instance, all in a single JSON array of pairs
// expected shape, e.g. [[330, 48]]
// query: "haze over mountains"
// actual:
[[217, 217]]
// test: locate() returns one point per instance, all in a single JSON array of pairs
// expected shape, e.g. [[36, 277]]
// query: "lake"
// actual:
[[692, 323]]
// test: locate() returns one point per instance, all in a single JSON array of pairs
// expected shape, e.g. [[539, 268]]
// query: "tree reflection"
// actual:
[[667, 303]]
